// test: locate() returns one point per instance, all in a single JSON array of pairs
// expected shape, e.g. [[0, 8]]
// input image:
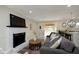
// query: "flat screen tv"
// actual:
[[16, 21]]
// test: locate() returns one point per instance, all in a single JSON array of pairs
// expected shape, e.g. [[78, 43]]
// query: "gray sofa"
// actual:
[[66, 47], [47, 50]]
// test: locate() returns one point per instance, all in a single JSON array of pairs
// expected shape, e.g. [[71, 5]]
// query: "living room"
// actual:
[[35, 24]]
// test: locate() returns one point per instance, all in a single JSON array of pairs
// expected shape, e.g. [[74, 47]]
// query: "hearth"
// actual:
[[18, 38]]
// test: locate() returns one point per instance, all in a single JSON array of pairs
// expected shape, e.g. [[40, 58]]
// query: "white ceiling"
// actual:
[[47, 12]]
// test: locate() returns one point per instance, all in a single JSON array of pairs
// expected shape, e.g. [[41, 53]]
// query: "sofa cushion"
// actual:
[[57, 43], [53, 36], [46, 50], [53, 41], [67, 45], [52, 44]]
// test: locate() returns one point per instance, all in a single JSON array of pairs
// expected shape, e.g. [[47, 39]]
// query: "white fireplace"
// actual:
[[12, 31]]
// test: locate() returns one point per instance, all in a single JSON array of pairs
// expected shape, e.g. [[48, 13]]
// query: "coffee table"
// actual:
[[34, 44]]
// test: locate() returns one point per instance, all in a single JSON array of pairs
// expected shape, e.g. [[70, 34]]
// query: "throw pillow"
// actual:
[[57, 43], [67, 45], [53, 36]]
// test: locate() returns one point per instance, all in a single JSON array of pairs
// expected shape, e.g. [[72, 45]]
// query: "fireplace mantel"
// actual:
[[16, 27]]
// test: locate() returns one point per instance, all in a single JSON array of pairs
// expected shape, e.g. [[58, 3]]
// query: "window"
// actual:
[[48, 30]]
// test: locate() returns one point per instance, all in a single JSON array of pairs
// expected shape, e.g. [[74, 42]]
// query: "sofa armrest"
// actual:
[[47, 50], [76, 50]]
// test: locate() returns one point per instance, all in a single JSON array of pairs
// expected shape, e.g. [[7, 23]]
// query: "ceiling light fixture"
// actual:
[[70, 23]]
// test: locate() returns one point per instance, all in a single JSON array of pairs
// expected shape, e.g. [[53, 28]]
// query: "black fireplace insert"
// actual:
[[18, 39]]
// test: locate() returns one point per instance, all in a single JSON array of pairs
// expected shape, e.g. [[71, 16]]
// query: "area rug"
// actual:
[[26, 50]]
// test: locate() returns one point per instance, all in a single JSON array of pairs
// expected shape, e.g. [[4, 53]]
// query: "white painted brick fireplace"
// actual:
[[12, 31]]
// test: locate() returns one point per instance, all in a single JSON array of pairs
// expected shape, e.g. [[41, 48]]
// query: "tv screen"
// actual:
[[16, 21]]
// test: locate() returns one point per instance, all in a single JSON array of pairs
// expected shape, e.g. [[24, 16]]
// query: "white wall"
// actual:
[[5, 21], [76, 38], [30, 32]]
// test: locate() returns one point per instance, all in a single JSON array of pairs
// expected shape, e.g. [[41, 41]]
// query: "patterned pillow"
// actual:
[[57, 43], [54, 43], [67, 45]]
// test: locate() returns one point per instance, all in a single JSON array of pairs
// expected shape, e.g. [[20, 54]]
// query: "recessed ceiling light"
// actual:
[[69, 5], [30, 11]]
